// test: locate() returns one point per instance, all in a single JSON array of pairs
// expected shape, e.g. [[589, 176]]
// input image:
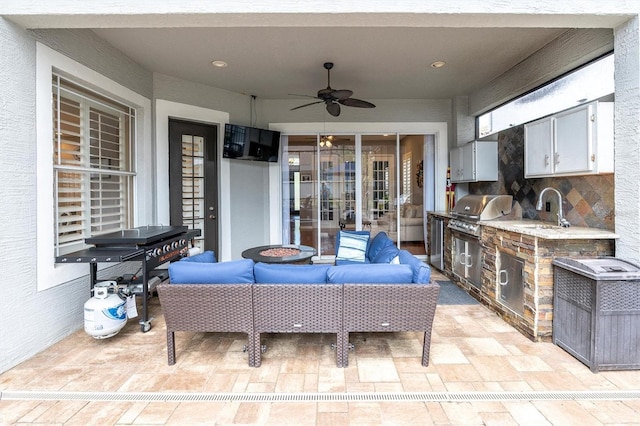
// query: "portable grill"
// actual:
[[151, 245]]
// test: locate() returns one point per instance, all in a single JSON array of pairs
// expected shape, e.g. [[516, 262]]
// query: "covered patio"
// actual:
[[481, 371]]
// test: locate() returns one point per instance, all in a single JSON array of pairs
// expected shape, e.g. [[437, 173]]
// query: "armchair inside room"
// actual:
[[411, 223]]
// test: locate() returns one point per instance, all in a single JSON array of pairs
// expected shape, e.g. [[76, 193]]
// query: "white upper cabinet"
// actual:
[[575, 142], [474, 161], [538, 148]]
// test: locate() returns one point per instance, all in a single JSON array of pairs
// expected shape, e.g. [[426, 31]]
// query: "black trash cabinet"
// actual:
[[596, 311]]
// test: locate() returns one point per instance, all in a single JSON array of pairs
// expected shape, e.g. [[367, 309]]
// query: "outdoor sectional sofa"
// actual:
[[389, 291]]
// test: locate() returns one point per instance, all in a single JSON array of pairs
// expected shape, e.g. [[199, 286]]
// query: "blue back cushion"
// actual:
[[290, 274], [205, 257], [421, 271], [232, 272], [378, 243], [370, 273], [386, 254], [352, 245]]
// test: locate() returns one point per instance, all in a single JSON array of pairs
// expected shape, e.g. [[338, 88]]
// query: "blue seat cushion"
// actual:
[[386, 255], [352, 245], [350, 262], [231, 272], [290, 274], [421, 271], [378, 243], [207, 257], [370, 273]]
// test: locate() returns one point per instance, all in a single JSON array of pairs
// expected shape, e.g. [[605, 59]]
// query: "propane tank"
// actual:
[[105, 313]]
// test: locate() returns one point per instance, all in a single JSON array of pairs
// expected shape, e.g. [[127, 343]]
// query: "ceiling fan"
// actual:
[[333, 98]]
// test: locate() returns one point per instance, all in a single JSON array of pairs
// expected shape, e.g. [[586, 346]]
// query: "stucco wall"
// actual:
[[627, 134], [85, 47], [32, 320]]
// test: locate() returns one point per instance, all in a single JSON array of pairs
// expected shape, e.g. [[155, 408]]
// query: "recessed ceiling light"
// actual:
[[219, 64], [438, 64]]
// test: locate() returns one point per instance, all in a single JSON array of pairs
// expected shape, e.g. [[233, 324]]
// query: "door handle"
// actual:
[[211, 215], [503, 273]]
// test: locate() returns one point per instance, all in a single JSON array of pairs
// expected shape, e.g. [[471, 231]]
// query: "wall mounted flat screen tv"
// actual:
[[250, 143]]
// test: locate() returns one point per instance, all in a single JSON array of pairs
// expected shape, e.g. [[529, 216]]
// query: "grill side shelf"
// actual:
[[95, 254]]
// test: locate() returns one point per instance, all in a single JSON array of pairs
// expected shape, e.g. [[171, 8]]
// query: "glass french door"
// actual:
[[353, 182]]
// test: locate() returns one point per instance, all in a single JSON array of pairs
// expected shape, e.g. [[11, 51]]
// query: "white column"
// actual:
[[627, 139]]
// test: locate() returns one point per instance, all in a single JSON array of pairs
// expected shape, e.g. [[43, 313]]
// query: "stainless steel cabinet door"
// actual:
[[436, 240], [474, 263], [511, 282], [459, 257]]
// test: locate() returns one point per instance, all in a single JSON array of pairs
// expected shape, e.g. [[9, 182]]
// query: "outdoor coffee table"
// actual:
[[280, 253]]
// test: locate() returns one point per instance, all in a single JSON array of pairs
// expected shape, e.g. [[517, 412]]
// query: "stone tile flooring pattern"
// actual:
[[472, 350]]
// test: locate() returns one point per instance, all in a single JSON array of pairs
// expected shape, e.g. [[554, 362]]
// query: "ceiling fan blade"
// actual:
[[333, 108], [356, 103], [341, 94], [304, 96], [305, 105]]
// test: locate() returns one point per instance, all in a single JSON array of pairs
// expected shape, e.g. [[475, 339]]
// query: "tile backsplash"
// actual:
[[587, 200]]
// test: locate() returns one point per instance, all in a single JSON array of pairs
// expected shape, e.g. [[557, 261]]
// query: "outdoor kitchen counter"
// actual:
[[549, 231]]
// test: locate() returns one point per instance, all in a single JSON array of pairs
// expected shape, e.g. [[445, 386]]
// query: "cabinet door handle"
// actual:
[[557, 158], [503, 277], [546, 160], [469, 261]]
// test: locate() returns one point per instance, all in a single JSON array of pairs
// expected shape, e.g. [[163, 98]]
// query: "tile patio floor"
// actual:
[[472, 351]]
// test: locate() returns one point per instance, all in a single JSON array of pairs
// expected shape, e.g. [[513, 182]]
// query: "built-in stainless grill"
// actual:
[[471, 209], [466, 249]]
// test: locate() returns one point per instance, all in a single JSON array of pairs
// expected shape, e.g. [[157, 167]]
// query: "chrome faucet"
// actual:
[[561, 220]]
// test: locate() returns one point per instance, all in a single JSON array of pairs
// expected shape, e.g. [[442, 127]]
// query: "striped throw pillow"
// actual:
[[353, 247]]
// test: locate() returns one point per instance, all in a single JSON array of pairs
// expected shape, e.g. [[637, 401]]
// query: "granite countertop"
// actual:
[[550, 231]]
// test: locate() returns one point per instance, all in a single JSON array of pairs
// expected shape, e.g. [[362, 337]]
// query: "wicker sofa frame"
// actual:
[[389, 308], [298, 308], [224, 308]]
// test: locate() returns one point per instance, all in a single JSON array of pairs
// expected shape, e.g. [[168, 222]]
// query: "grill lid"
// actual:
[[482, 207]]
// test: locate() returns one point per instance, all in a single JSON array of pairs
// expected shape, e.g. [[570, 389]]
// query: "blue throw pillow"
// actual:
[[290, 274], [352, 245], [378, 243], [231, 272], [207, 257], [370, 273], [386, 255], [421, 271]]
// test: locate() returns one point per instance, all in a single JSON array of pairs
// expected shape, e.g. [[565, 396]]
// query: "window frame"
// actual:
[[50, 274], [559, 94], [92, 168]]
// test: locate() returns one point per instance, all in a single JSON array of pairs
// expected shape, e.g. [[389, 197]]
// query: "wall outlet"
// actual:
[[547, 206]]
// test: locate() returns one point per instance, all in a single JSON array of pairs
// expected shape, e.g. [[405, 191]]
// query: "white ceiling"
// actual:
[[375, 62]]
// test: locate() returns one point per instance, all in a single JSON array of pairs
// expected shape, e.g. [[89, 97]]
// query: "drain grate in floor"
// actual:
[[318, 397]]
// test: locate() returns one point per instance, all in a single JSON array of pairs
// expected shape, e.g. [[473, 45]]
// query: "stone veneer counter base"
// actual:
[[537, 253]]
